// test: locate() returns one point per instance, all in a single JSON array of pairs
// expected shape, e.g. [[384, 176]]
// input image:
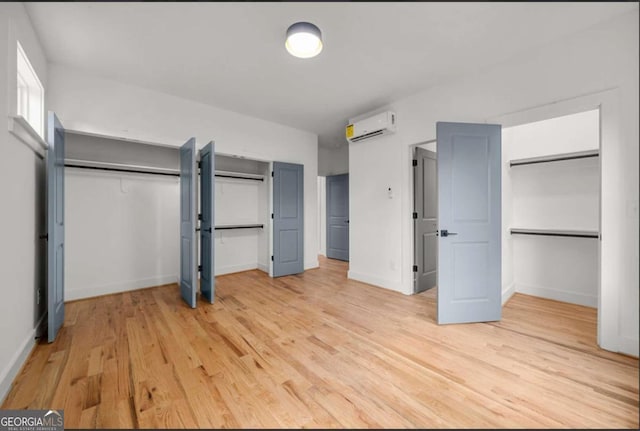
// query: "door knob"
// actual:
[[445, 232]]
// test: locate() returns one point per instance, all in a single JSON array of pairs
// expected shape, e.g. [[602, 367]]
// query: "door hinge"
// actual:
[[415, 215], [200, 216], [271, 258], [45, 236], [415, 268], [271, 215], [415, 162], [199, 164], [271, 173], [200, 268]]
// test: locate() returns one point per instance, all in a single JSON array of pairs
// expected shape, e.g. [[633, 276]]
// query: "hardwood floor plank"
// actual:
[[318, 350]]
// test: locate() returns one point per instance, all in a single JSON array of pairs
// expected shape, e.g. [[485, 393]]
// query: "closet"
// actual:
[[551, 208], [131, 190], [242, 214]]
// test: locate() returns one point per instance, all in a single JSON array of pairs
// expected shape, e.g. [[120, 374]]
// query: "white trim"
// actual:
[[21, 129], [18, 359], [263, 267], [629, 345], [558, 295], [508, 292], [124, 286], [377, 282], [34, 77], [312, 264], [235, 268]]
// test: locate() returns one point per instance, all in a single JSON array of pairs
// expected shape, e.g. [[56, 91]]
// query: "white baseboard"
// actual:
[[558, 295], [263, 267], [18, 359], [378, 282], [230, 269], [629, 345], [312, 264], [508, 292], [91, 291]]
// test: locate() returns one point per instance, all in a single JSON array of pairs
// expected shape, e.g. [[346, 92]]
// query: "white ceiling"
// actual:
[[232, 55]]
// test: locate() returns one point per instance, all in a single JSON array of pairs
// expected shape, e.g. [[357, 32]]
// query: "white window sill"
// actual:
[[22, 130]]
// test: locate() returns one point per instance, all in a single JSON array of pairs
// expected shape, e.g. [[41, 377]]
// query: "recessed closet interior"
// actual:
[[123, 207], [551, 208]]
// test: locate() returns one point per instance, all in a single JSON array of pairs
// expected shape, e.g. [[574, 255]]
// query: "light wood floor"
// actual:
[[317, 350]]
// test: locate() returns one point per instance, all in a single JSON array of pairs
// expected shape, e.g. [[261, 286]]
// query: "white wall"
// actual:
[[600, 58], [22, 195], [333, 161], [557, 195], [106, 107], [122, 232]]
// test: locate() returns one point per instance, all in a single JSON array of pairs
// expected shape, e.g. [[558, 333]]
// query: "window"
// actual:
[[30, 94]]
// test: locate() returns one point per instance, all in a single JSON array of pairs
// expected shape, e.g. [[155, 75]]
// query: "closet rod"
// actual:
[[555, 158], [240, 226], [135, 171], [240, 177], [561, 233]]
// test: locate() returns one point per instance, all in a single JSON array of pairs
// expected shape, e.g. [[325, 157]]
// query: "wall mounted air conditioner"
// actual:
[[376, 125]]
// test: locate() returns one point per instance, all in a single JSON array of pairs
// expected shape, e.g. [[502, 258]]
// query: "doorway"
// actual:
[[425, 217], [337, 216]]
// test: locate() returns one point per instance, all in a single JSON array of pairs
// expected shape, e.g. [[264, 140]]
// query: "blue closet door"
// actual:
[[207, 223], [188, 222], [55, 221], [288, 219]]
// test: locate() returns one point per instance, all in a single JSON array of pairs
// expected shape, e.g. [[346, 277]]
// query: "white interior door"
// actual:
[[469, 216]]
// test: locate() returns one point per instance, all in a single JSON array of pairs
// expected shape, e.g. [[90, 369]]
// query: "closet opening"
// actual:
[[242, 214], [550, 210]]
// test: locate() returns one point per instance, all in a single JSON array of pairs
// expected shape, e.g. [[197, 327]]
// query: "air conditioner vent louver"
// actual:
[[368, 135], [376, 125]]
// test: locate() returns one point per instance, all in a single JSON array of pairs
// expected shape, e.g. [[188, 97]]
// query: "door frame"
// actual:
[[606, 102], [412, 242]]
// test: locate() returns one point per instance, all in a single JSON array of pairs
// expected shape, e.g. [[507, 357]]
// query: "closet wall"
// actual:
[[559, 195]]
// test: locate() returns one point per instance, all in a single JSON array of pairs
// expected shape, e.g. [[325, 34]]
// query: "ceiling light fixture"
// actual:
[[304, 40]]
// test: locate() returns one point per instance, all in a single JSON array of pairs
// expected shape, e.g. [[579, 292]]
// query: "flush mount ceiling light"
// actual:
[[304, 40]]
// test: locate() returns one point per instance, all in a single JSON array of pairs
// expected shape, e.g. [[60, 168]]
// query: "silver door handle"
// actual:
[[445, 233]]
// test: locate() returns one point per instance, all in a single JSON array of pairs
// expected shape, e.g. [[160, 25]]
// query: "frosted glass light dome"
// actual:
[[304, 40]]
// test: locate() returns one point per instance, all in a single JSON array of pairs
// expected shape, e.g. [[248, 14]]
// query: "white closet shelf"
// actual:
[[557, 232], [555, 158]]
